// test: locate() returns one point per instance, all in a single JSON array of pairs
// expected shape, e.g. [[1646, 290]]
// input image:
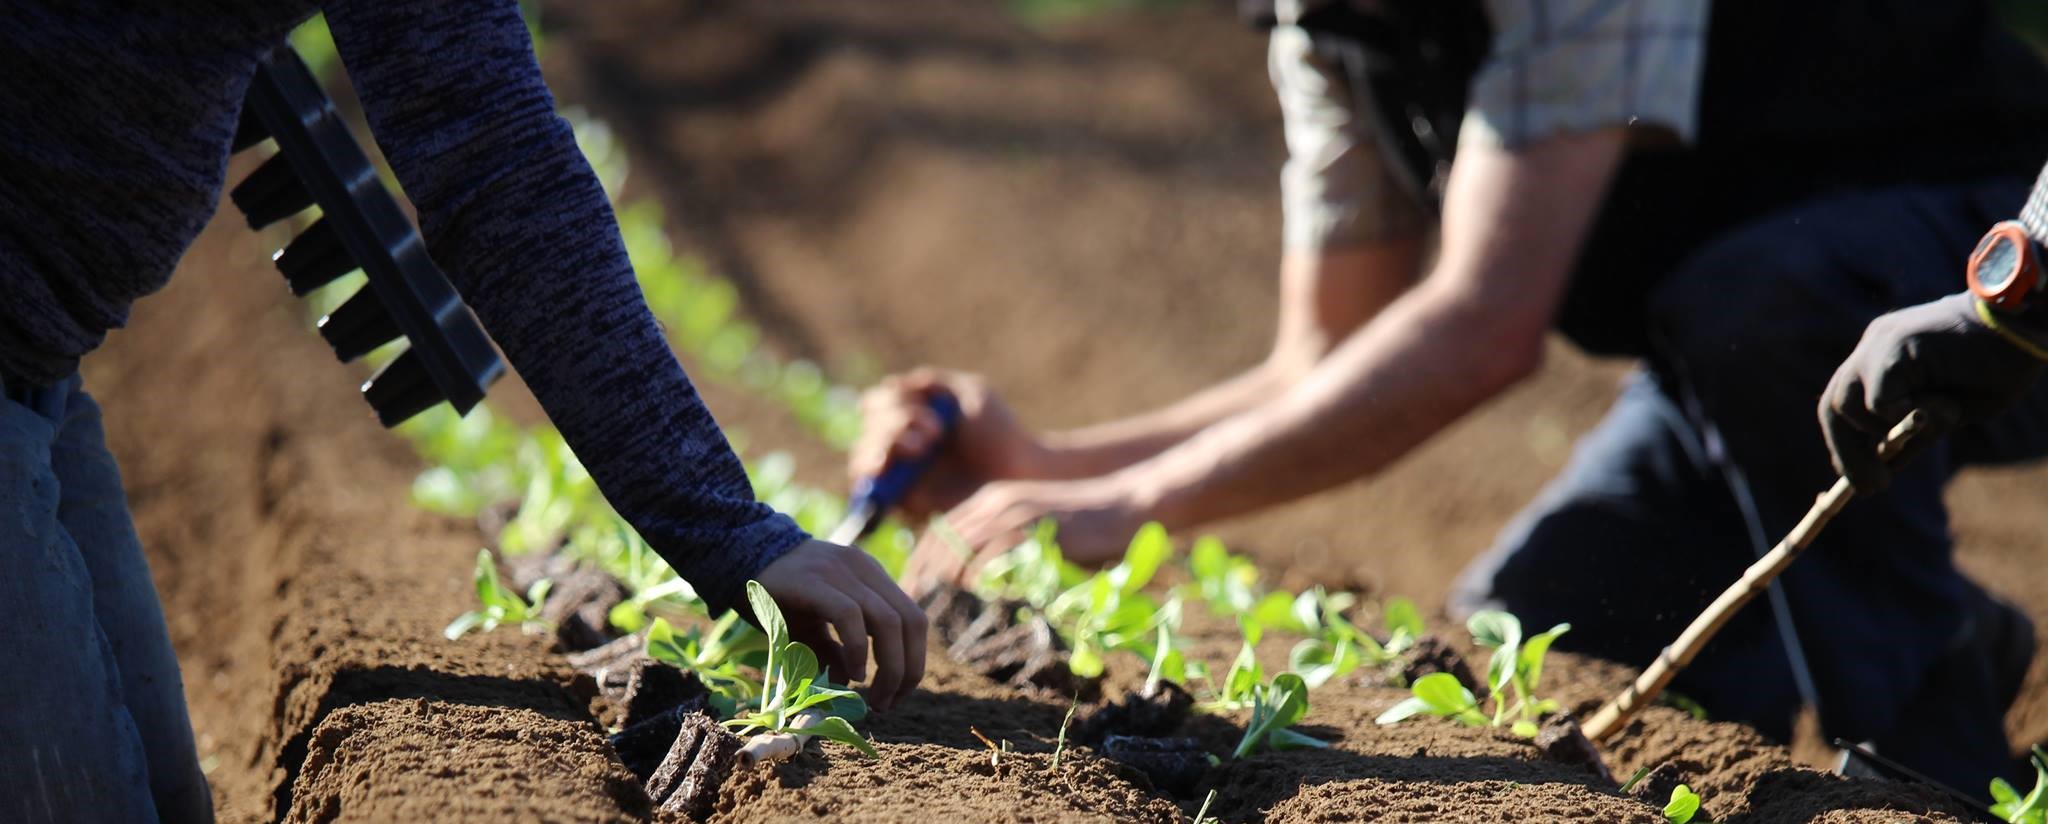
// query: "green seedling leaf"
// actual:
[[1408, 708], [1148, 550], [1275, 707], [1683, 805], [1526, 728], [1635, 779], [2032, 809], [796, 666], [1437, 694], [662, 645], [462, 624], [2003, 793], [1059, 747], [626, 616], [1291, 740], [1403, 619], [837, 729], [1529, 665], [1444, 695], [768, 614], [1276, 610], [1085, 661]]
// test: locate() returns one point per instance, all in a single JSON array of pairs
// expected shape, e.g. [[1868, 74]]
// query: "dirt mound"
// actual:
[[393, 760], [929, 782]]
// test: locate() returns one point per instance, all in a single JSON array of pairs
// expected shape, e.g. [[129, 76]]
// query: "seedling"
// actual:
[[1684, 804], [714, 655], [1229, 583], [1033, 572], [501, 605], [1516, 667], [795, 697], [1334, 645], [1059, 747], [1242, 679], [1404, 624], [1169, 662], [1275, 708], [1107, 612], [2031, 809]]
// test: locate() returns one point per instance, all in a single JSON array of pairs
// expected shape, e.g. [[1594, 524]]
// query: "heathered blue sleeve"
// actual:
[[512, 211]]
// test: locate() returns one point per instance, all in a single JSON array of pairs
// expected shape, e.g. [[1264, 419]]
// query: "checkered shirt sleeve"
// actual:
[[2034, 215], [1562, 66]]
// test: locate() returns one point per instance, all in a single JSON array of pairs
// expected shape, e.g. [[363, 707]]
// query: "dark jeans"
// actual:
[[92, 711], [1643, 529]]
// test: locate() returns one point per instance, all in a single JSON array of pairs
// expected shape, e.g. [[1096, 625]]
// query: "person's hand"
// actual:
[[1096, 519], [1939, 357], [987, 443], [820, 585]]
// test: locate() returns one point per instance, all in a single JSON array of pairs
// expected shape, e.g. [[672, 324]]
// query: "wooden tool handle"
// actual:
[[1616, 714]]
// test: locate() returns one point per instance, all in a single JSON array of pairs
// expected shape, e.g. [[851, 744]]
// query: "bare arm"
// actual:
[[1324, 296], [1513, 224]]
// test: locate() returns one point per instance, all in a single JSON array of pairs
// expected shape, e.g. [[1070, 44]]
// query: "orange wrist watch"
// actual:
[[2005, 268]]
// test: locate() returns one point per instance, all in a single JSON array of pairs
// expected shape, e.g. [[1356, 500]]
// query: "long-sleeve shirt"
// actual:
[[115, 125]]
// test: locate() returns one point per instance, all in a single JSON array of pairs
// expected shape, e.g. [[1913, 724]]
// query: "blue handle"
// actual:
[[883, 492]]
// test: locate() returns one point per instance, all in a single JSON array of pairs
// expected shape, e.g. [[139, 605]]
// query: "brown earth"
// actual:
[[1087, 214]]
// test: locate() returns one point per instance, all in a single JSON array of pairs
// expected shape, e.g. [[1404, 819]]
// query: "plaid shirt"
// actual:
[[2034, 215], [1556, 67], [1561, 66]]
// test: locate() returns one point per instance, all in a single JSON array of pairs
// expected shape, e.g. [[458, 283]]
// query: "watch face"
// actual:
[[1998, 259]]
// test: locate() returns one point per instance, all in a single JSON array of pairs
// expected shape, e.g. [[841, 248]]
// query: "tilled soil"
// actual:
[[1085, 213]]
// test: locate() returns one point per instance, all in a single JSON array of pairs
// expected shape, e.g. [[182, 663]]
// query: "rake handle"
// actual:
[[1623, 707]]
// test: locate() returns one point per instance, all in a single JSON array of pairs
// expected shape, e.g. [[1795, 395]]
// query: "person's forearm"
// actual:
[[1513, 222], [1429, 359], [1325, 295], [511, 209]]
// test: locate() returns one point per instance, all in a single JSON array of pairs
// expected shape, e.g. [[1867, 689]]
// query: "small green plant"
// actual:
[[1516, 668], [1276, 707], [2031, 809], [715, 655], [1334, 646], [1684, 804], [1107, 611], [793, 689], [1059, 747], [1229, 583], [1438, 694], [501, 605], [1241, 681]]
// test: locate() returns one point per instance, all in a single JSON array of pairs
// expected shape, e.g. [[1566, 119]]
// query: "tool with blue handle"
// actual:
[[873, 497]]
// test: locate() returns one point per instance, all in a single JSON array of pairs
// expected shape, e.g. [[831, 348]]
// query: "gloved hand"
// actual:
[[1940, 357]]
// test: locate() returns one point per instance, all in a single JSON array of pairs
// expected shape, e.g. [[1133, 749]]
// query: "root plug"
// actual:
[[779, 746]]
